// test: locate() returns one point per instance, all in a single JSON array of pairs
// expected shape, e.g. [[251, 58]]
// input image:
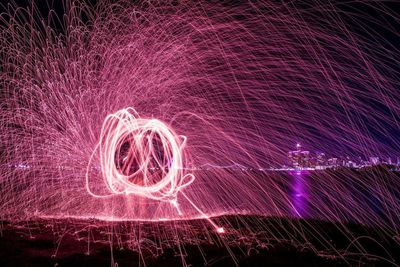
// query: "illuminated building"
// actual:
[[320, 159], [333, 162], [374, 160], [298, 158]]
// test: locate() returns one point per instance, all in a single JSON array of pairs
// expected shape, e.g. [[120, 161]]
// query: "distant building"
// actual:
[[299, 159], [332, 162], [374, 160], [349, 163], [320, 159]]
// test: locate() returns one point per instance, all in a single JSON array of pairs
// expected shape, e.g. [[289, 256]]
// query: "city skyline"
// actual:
[[303, 159]]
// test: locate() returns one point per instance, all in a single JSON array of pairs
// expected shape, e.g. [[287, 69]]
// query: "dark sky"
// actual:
[[364, 13]]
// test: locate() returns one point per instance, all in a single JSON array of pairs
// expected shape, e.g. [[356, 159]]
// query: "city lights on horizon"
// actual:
[[296, 160]]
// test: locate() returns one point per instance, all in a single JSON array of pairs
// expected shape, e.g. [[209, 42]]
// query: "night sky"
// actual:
[[371, 22]]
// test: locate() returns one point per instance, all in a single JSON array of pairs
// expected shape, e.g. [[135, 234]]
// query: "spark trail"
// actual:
[[241, 83], [142, 157], [208, 85]]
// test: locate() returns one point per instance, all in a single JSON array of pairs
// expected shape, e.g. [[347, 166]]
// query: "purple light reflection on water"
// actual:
[[299, 193]]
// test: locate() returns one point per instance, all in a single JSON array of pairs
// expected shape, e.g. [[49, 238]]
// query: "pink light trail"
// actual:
[[214, 85], [158, 177], [176, 110]]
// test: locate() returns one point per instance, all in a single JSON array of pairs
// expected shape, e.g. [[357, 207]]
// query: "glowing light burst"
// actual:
[[241, 85], [142, 157], [151, 163], [217, 90]]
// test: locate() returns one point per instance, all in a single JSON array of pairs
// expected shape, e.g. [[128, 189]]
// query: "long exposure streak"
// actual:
[[199, 133]]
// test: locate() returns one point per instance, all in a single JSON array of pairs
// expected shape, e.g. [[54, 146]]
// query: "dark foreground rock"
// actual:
[[247, 241]]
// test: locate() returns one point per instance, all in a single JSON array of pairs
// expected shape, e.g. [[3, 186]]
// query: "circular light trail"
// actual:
[[141, 157]]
